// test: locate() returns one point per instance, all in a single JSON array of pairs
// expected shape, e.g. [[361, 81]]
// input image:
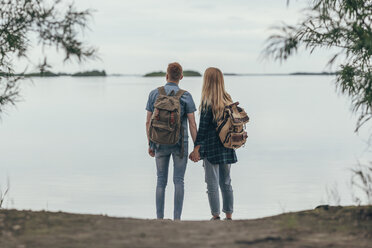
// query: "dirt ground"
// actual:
[[322, 227]]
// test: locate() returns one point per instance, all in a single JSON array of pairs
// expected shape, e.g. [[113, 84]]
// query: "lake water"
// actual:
[[79, 145]]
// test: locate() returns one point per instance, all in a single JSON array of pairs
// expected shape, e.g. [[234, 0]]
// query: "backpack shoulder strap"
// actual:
[[180, 92], [162, 91]]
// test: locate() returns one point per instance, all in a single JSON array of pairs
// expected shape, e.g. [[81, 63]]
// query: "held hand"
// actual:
[[194, 156], [196, 153], [191, 156], [151, 152]]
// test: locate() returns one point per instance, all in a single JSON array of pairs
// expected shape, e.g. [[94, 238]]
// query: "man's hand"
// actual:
[[151, 152], [195, 155]]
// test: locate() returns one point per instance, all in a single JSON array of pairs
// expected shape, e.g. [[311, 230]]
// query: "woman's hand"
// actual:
[[195, 155]]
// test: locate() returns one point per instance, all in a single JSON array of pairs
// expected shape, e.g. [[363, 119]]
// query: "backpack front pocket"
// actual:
[[163, 127], [238, 139]]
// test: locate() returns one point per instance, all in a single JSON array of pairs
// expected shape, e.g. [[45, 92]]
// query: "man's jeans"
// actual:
[[162, 158], [219, 174]]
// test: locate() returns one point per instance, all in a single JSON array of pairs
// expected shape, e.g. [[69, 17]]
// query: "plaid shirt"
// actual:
[[211, 146]]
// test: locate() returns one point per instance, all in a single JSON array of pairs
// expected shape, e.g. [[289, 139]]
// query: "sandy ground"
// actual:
[[323, 227]]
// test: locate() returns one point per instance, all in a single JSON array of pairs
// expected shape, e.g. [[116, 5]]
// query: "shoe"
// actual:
[[227, 219], [216, 218]]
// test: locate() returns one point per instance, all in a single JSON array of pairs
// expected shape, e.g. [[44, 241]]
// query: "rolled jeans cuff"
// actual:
[[227, 212]]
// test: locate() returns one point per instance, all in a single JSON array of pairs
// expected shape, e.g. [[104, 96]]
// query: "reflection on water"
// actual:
[[79, 145]]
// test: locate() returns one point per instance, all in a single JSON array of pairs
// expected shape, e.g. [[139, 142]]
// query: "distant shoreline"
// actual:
[[186, 73], [197, 74], [284, 74], [96, 73], [93, 73], [246, 74]]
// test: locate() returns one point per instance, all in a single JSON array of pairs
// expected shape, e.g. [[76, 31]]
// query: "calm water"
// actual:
[[79, 145]]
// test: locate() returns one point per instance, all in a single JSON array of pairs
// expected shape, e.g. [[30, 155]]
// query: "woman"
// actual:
[[217, 159]]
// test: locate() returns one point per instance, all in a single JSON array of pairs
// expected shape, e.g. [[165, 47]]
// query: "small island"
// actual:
[[93, 73], [187, 73], [40, 74]]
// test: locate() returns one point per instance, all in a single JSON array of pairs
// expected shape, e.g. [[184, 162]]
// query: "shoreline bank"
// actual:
[[327, 226]]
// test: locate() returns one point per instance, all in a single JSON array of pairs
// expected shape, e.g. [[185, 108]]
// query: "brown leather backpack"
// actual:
[[231, 128], [165, 124]]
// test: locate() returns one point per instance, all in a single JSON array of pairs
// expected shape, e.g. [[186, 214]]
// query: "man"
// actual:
[[162, 153]]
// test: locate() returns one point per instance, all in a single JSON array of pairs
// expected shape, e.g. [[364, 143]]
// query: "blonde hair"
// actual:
[[213, 94]]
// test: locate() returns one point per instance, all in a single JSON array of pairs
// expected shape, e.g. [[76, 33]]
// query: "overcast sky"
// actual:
[[145, 35]]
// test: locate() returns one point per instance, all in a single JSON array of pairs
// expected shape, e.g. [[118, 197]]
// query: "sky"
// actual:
[[136, 37]]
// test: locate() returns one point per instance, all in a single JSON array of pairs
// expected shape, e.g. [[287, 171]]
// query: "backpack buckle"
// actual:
[[157, 117], [172, 118]]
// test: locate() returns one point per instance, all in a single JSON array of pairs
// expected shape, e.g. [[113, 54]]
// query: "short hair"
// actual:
[[174, 71]]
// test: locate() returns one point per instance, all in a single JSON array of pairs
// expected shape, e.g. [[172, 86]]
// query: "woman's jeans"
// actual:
[[162, 158], [219, 175]]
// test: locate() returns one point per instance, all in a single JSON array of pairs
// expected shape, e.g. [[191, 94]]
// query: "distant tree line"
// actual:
[[93, 73], [186, 73]]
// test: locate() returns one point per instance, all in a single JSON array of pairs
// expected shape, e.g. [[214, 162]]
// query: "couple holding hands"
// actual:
[[169, 110]]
